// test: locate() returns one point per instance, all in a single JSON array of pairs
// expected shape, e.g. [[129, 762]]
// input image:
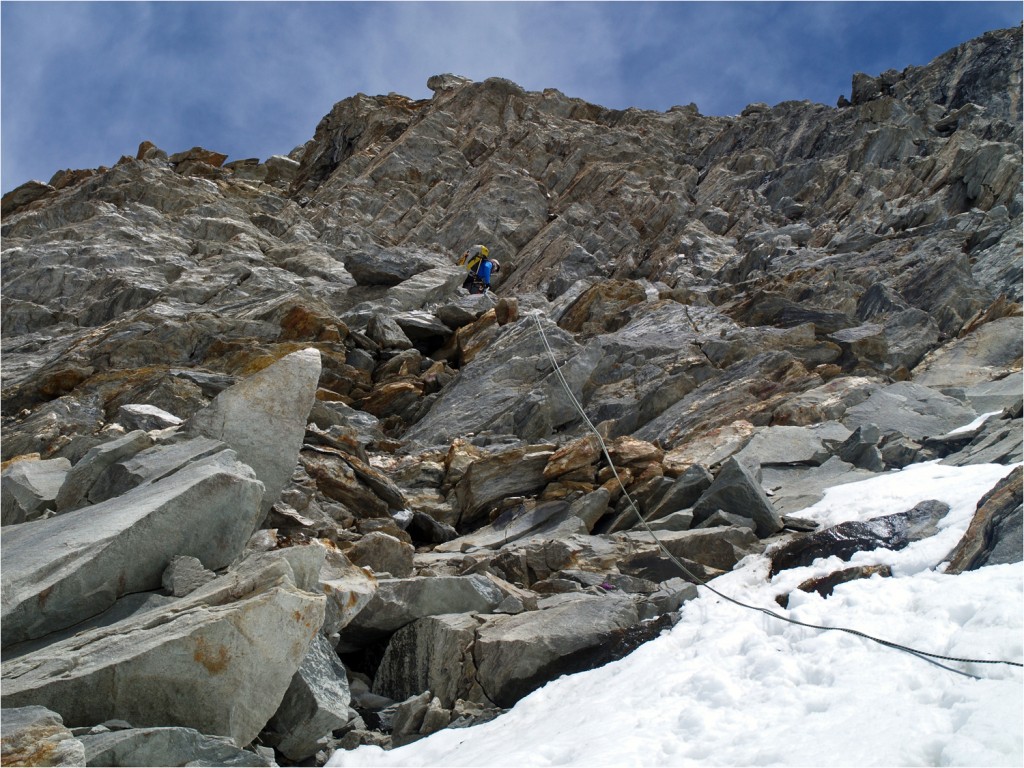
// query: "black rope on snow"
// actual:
[[923, 655]]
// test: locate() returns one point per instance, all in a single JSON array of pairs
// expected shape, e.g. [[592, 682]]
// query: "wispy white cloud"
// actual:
[[85, 82]]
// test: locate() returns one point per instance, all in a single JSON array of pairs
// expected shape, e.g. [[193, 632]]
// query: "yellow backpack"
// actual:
[[472, 258]]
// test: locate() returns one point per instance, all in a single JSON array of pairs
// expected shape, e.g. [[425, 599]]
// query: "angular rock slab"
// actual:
[[164, 746], [996, 395], [792, 445], [989, 352], [519, 471], [348, 590], [515, 655], [720, 548], [29, 488], [315, 704], [398, 602], [911, 410], [796, 488], [213, 661], [511, 525], [74, 493], [35, 735], [150, 465], [264, 417], [738, 490], [62, 570]]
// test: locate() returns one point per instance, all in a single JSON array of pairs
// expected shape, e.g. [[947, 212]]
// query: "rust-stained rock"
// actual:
[[601, 308], [628, 450], [506, 310], [34, 735], [23, 196], [336, 479], [824, 585], [711, 449], [513, 472], [578, 454], [471, 339], [395, 397]]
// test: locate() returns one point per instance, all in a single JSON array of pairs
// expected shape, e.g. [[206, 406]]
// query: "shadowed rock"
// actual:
[[398, 602], [515, 655], [165, 746], [846, 539], [315, 704], [994, 535]]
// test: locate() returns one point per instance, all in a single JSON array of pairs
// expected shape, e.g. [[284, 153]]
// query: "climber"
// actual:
[[480, 265]]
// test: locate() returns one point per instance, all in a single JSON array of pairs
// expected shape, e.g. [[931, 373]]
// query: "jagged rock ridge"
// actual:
[[776, 302]]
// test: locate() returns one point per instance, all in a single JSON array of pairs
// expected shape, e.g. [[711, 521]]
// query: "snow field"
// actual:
[[733, 687]]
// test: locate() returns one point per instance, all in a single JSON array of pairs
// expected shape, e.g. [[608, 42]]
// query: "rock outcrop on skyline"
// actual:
[[274, 484]]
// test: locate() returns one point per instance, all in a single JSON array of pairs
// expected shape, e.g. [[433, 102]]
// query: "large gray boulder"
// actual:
[[348, 589], [391, 266], [28, 489], [315, 704], [516, 472], [383, 553], [34, 735], [65, 569], [798, 487], [398, 602], [149, 465], [431, 654], [219, 660], [510, 387], [909, 409], [165, 746], [992, 396], [263, 418], [792, 445], [989, 352], [515, 655]]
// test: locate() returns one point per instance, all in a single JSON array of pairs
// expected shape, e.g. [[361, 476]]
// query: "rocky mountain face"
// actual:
[[274, 484]]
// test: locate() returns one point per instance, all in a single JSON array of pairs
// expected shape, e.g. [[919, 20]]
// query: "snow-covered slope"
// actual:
[[729, 686]]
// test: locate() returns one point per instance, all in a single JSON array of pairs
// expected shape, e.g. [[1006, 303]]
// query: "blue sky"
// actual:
[[84, 82]]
